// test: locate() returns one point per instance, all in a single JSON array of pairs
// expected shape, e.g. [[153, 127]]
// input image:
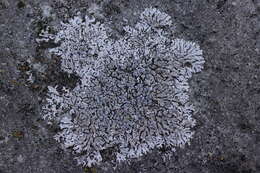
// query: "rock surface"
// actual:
[[226, 94]]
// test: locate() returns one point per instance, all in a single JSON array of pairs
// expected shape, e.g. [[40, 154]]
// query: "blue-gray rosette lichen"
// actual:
[[133, 91]]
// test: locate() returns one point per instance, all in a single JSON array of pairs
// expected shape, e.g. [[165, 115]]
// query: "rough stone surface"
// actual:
[[226, 94]]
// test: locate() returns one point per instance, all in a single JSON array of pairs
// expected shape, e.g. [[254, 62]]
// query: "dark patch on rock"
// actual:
[[21, 4]]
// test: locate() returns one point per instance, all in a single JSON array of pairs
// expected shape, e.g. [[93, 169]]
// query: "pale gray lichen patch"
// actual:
[[133, 93]]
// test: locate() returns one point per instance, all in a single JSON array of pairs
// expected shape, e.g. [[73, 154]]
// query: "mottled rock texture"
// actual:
[[226, 94]]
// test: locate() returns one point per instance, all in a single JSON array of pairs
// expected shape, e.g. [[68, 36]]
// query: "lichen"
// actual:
[[133, 91]]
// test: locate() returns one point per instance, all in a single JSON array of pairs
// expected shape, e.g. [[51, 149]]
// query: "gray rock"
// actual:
[[226, 94]]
